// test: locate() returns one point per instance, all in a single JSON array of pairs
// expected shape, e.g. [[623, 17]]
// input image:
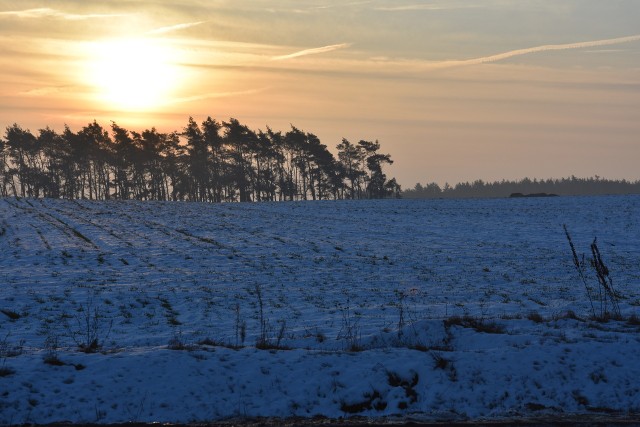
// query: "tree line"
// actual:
[[565, 186], [210, 161]]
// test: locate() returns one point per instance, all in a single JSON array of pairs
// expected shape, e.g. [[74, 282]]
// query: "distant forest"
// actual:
[[563, 187], [208, 162]]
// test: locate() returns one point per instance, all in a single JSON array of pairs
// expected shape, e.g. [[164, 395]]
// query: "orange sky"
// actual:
[[454, 90]]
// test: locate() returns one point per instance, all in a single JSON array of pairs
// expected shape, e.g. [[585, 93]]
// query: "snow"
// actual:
[[423, 310]]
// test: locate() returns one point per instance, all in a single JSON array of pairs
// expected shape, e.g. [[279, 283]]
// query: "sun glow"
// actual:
[[133, 74]]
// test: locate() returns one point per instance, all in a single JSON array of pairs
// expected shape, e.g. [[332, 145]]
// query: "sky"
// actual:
[[454, 90]]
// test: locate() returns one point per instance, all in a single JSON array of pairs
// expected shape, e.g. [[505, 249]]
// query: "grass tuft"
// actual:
[[633, 320], [535, 317]]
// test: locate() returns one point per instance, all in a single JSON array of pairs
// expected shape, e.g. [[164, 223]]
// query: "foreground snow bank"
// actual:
[[530, 369]]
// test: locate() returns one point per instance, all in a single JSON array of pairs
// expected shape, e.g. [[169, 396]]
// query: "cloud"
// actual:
[[314, 51], [43, 91], [536, 49], [178, 27], [217, 95], [432, 6], [330, 6], [53, 13]]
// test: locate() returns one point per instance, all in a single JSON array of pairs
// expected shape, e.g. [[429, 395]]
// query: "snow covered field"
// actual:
[[432, 310]]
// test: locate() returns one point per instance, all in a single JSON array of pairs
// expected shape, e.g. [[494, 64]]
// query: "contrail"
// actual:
[[53, 13], [313, 51], [178, 27], [544, 48]]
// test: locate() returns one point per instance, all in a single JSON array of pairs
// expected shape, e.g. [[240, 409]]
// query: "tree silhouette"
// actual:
[[351, 158], [208, 162], [565, 186]]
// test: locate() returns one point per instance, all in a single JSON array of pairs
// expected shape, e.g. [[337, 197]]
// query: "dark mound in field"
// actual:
[[518, 195]]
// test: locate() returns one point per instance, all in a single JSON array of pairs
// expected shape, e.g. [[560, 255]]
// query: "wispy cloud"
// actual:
[[313, 51], [536, 49], [172, 28], [330, 6], [43, 91], [422, 6], [217, 95], [53, 13]]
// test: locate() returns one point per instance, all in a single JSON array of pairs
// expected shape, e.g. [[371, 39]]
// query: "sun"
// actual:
[[133, 74]]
